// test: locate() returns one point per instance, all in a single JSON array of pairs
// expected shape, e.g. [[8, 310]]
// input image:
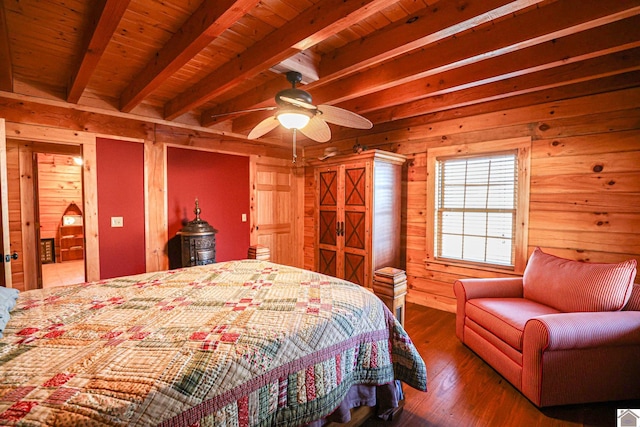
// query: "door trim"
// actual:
[[4, 206], [87, 142]]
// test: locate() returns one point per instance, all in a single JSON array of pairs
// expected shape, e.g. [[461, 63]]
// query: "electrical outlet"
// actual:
[[117, 221]]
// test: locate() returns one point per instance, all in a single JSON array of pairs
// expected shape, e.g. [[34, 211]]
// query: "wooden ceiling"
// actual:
[[194, 61]]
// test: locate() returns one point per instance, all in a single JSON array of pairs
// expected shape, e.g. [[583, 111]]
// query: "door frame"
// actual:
[[87, 143], [5, 239]]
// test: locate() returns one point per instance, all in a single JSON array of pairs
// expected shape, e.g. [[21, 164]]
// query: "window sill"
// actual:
[[472, 266]]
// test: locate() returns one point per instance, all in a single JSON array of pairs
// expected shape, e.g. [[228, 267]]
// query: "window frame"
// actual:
[[522, 146]]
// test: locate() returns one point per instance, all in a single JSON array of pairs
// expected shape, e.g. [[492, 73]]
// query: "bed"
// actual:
[[238, 343]]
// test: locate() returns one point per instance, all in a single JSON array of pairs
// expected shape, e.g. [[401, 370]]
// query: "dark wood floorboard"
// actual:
[[465, 391]]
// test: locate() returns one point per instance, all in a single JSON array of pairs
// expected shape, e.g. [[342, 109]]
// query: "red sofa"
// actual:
[[566, 332]]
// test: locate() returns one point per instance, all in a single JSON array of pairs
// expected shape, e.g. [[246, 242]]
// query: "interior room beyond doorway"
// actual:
[[61, 219]]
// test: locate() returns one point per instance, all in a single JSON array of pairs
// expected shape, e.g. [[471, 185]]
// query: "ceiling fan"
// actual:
[[295, 111]]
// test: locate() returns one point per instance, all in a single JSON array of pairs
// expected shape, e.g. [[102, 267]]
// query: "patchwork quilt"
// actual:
[[239, 343]]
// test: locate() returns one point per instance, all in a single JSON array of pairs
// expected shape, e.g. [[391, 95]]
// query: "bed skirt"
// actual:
[[385, 398]]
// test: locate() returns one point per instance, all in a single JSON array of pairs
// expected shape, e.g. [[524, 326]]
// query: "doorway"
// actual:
[[18, 142], [61, 184], [61, 226]]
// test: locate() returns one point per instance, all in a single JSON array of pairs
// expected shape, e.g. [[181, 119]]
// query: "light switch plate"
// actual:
[[244, 217], [117, 221]]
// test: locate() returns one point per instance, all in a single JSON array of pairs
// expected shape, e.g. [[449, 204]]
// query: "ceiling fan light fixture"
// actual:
[[293, 119]]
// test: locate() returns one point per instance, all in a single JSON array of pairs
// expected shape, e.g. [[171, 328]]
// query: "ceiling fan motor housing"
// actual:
[[293, 93]]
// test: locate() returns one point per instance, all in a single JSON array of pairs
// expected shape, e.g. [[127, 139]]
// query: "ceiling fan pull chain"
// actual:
[[295, 156]]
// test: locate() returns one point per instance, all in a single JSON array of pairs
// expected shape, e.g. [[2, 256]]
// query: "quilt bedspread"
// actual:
[[239, 343]]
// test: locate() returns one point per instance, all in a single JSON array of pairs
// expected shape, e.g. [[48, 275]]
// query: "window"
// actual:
[[476, 208], [478, 200]]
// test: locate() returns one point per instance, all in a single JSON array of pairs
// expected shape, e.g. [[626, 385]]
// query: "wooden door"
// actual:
[[355, 224], [329, 221], [23, 225], [273, 216]]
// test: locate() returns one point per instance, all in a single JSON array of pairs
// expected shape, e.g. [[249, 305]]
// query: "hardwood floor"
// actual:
[[465, 391]]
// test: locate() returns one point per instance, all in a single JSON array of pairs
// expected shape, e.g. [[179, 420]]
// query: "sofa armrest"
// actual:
[[504, 287], [565, 331], [466, 289], [581, 357]]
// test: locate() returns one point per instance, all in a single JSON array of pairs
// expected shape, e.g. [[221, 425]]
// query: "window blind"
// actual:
[[476, 208]]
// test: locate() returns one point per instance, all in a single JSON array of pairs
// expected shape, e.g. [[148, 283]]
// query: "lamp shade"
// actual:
[[293, 119]]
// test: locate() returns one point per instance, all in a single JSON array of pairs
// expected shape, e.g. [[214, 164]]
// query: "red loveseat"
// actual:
[[566, 332]]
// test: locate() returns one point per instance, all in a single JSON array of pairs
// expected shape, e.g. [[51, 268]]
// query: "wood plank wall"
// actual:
[[585, 181], [59, 184]]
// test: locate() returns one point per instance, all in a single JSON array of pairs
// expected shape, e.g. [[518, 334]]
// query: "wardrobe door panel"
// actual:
[[354, 268], [354, 230], [327, 262], [328, 221], [355, 186], [328, 188]]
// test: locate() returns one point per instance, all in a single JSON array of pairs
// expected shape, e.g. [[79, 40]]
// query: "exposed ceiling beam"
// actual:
[[314, 25], [97, 37], [426, 26], [600, 41], [568, 74], [211, 19], [106, 121], [6, 68]]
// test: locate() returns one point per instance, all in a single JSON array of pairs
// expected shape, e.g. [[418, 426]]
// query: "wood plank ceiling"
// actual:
[[194, 61]]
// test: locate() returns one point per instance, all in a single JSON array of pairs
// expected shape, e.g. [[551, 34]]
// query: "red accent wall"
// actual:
[[220, 182], [120, 170]]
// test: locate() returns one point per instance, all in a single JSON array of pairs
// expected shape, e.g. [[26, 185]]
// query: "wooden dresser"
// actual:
[[358, 214]]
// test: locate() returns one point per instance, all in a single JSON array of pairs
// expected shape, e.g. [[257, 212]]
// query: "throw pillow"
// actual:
[[569, 285], [8, 298]]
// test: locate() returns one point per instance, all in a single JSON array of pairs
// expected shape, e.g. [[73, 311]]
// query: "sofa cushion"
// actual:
[[569, 285], [505, 317]]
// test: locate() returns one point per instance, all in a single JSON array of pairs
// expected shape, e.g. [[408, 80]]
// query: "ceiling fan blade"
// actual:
[[267, 125], [250, 110], [342, 117], [298, 103], [317, 129]]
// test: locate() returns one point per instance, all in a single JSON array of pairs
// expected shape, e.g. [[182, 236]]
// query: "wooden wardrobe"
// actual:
[[358, 214]]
